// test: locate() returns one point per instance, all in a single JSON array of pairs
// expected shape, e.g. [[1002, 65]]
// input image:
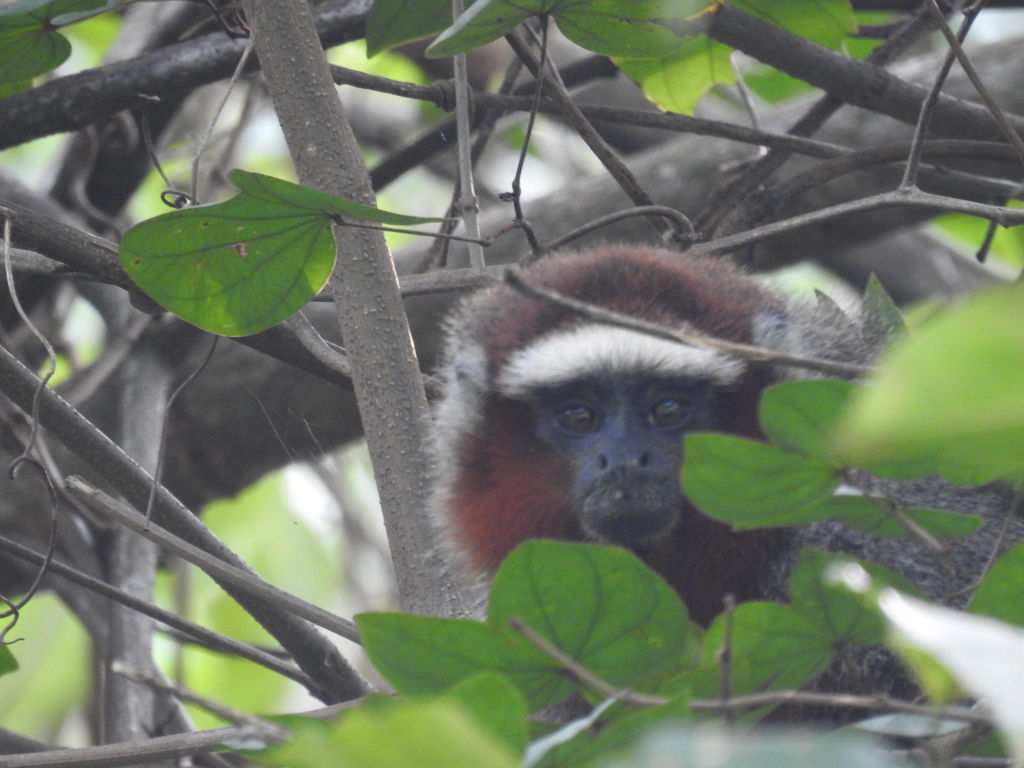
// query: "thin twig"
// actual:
[[740, 703], [872, 157], [955, 45], [149, 751], [481, 241], [310, 338], [484, 125], [216, 114], [997, 545], [682, 225], [516, 198], [578, 121], [26, 458], [928, 105], [445, 280], [158, 470], [905, 196], [51, 355], [668, 121], [469, 206], [745, 98], [581, 674], [723, 655]]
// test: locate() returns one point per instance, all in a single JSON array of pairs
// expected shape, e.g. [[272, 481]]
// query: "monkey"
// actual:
[[554, 426], [551, 425]]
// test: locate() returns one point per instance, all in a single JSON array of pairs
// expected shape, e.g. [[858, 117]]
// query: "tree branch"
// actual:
[[75, 101], [388, 386], [311, 650], [851, 80]]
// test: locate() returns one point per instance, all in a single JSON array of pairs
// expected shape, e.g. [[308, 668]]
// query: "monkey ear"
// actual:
[[832, 315], [772, 330], [819, 328]]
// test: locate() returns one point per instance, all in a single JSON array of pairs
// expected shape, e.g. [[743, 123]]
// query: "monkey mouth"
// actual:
[[629, 507]]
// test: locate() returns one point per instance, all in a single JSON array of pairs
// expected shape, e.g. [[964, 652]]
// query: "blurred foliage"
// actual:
[[43, 699], [968, 232]]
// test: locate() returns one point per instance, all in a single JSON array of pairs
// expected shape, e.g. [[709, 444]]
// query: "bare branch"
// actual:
[[247, 583]]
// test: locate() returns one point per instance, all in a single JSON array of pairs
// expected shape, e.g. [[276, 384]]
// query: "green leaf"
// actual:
[[601, 605], [9, 89], [677, 82], [425, 655], [29, 42], [864, 514], [7, 661], [882, 311], [752, 485], [238, 267], [951, 396], [784, 646], [434, 734], [968, 232], [593, 746], [825, 22], [498, 707], [85, 9], [393, 22], [271, 190], [1000, 591], [772, 85], [629, 28], [801, 415], [840, 615], [773, 647]]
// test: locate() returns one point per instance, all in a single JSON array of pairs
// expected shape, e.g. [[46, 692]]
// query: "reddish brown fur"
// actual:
[[512, 488], [657, 285]]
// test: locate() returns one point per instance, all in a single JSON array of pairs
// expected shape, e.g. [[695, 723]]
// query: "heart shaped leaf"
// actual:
[[238, 267]]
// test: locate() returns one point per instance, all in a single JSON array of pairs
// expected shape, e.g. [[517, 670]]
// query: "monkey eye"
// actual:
[[668, 413], [577, 418]]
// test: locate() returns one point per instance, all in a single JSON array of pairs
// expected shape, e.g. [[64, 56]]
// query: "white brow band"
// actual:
[[561, 357]]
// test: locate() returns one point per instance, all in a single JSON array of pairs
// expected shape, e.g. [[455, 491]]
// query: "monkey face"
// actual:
[[622, 437]]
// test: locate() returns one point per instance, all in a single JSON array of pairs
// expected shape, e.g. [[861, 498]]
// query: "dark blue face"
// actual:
[[623, 437]]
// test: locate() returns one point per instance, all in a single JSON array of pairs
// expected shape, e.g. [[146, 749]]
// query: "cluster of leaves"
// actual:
[[467, 687], [471, 685], [30, 44], [476, 682], [657, 44]]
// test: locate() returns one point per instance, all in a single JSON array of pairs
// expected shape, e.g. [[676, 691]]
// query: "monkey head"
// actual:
[[611, 406], [553, 426]]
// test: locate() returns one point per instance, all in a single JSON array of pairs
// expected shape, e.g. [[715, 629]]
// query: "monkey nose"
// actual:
[[607, 461], [629, 506]]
